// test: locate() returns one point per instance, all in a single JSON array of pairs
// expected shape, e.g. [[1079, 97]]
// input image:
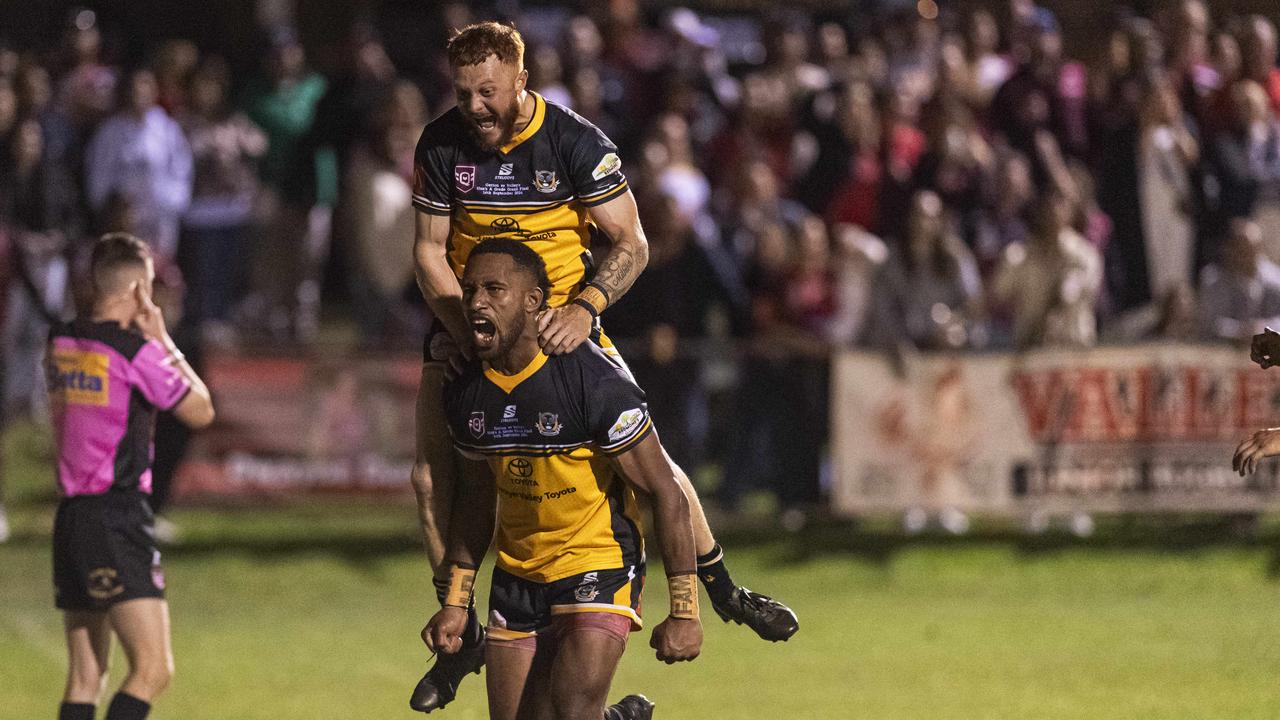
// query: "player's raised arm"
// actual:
[[562, 330], [474, 512], [645, 467]]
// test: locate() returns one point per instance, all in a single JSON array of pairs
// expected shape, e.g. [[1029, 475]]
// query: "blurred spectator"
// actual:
[[1051, 282], [546, 75], [857, 144], [38, 216], [987, 67], [87, 89], [1045, 93], [1244, 160], [141, 153], [1257, 38], [173, 63], [225, 146], [1001, 221], [1153, 203], [35, 99], [380, 218], [927, 294], [1240, 295], [300, 184], [680, 178]]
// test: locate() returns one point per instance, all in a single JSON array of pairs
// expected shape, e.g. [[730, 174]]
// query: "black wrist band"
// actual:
[[586, 306], [607, 300]]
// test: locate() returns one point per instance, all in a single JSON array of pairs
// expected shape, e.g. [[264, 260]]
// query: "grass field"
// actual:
[[314, 612]]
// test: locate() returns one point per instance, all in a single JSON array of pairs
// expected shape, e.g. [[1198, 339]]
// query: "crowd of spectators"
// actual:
[[908, 181]]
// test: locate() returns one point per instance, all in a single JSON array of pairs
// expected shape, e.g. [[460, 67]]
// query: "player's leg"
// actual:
[[511, 678], [88, 655], [589, 647], [434, 479], [433, 467], [142, 625]]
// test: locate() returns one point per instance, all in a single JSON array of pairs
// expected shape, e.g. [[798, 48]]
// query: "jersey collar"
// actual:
[[535, 124], [509, 382]]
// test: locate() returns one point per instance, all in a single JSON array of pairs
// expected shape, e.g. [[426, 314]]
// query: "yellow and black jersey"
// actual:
[[536, 188], [547, 434]]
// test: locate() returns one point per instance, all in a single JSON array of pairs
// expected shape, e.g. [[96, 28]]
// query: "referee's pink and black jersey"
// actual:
[[105, 385]]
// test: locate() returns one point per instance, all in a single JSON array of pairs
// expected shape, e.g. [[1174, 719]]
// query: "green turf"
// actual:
[[314, 613]]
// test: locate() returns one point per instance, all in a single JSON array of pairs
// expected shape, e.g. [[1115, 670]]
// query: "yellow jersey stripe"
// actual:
[[603, 196], [535, 124], [510, 382]]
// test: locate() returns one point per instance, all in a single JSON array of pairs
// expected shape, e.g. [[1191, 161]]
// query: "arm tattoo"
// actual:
[[619, 272]]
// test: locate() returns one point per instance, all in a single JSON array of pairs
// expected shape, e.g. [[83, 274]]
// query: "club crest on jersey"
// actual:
[[464, 178], [548, 424], [476, 425], [545, 180]]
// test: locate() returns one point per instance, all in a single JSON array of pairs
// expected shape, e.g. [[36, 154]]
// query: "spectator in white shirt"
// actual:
[[1240, 295], [141, 154]]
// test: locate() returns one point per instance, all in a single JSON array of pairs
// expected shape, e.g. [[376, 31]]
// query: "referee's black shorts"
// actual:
[[104, 551]]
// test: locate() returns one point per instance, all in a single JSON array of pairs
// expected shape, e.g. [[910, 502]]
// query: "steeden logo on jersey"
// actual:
[[506, 170], [509, 413]]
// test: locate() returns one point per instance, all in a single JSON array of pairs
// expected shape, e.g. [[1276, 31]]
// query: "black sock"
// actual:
[[714, 575], [127, 707], [75, 711]]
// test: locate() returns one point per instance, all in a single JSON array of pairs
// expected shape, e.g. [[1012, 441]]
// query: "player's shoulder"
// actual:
[[596, 370], [566, 123], [128, 343]]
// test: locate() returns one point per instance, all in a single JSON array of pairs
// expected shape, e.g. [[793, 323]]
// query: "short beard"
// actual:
[[506, 122], [508, 341]]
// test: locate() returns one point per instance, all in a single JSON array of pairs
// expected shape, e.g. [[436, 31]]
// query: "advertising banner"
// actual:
[[290, 426], [1147, 428]]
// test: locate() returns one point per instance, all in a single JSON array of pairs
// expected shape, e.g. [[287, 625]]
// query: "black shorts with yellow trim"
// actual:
[[520, 608]]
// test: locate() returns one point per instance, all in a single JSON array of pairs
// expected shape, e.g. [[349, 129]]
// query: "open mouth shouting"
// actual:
[[483, 333]]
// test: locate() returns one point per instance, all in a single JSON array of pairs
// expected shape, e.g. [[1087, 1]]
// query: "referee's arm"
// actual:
[[435, 278]]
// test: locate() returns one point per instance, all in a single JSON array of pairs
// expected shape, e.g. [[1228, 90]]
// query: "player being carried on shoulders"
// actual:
[[505, 163]]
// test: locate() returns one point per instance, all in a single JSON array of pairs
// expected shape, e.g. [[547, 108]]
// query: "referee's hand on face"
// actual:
[[443, 633]]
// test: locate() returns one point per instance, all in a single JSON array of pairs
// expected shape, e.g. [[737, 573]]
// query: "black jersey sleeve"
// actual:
[[594, 166], [432, 165], [616, 409]]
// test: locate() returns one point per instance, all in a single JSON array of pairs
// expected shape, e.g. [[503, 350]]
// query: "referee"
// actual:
[[108, 376]]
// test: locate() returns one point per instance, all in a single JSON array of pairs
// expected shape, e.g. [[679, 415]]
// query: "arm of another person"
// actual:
[[436, 280], [563, 329], [470, 533], [645, 467]]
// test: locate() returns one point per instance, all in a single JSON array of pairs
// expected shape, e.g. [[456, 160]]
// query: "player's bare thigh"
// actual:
[[511, 678], [88, 655], [589, 647]]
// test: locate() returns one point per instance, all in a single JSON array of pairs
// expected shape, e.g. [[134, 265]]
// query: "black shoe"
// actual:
[[770, 619], [631, 707], [440, 685]]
